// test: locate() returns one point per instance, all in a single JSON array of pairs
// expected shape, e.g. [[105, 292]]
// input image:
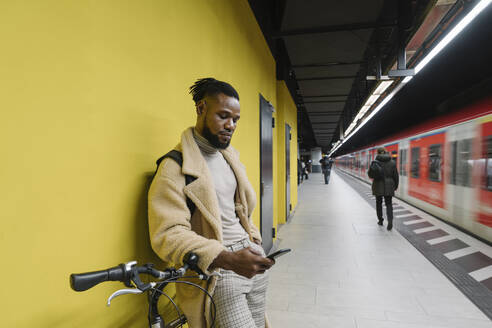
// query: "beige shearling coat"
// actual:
[[174, 233]]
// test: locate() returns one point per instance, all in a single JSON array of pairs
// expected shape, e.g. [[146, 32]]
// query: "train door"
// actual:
[[461, 195], [485, 175], [392, 150], [372, 156], [356, 164], [403, 169], [427, 157], [359, 161], [362, 164]]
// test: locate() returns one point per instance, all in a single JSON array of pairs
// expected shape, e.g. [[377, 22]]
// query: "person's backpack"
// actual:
[[178, 158], [376, 171]]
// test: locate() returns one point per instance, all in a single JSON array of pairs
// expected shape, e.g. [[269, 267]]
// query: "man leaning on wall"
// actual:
[[220, 230]]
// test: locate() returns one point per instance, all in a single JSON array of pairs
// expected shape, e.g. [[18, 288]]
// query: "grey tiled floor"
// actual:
[[346, 271]]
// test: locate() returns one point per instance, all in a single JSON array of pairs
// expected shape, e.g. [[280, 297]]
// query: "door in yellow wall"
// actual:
[[288, 205], [266, 173]]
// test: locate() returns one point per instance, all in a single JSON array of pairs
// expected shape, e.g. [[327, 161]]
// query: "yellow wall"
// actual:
[[286, 114], [92, 92]]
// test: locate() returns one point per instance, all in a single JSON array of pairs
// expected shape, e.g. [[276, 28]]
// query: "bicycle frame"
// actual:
[[155, 319]]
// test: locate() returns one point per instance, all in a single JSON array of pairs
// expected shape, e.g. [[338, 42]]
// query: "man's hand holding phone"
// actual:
[[280, 252]]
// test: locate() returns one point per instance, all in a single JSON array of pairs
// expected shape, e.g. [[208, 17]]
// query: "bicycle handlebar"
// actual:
[[128, 274], [83, 281]]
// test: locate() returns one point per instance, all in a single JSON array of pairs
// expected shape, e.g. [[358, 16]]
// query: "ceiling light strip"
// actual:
[[441, 45], [453, 33]]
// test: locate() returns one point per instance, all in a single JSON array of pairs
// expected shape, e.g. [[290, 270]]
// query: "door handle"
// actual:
[[262, 188]]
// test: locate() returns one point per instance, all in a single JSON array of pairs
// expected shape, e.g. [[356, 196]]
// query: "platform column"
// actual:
[[315, 157]]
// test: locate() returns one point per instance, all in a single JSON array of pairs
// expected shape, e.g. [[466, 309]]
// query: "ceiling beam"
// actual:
[[325, 96], [326, 78], [319, 114], [324, 102], [324, 113], [334, 28], [328, 64]]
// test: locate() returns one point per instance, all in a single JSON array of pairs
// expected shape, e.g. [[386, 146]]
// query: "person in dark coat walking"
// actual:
[[326, 167], [385, 186], [299, 171], [304, 169]]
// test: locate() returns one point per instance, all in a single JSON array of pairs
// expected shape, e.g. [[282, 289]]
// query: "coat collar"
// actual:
[[201, 191]]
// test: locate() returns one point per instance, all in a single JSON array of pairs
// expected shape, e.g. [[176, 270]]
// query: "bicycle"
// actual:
[[128, 274]]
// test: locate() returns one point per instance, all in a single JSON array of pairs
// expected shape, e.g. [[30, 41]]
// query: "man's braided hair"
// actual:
[[211, 87]]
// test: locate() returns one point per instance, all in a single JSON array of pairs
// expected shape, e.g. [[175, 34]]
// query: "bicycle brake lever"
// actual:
[[123, 292]]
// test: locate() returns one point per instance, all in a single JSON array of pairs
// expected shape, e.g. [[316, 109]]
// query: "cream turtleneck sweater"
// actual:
[[225, 185]]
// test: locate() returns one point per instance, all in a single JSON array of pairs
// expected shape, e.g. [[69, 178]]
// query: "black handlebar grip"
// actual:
[[191, 259], [83, 281]]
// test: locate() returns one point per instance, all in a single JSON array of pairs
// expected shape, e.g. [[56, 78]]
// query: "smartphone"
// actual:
[[278, 253]]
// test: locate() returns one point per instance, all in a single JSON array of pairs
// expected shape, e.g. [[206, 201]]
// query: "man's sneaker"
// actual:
[[380, 222], [390, 226]]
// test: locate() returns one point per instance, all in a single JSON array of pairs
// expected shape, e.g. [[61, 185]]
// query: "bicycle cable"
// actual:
[[155, 290], [214, 312]]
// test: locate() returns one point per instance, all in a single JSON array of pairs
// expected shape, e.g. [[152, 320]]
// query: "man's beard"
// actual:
[[214, 139]]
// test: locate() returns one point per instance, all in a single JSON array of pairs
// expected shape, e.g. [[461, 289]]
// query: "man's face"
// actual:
[[217, 119]]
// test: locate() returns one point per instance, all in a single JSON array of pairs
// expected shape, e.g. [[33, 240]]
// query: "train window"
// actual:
[[415, 158], [435, 163], [488, 165], [463, 163], [454, 160], [403, 162]]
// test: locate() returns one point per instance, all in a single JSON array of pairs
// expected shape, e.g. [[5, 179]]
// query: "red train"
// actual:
[[445, 167]]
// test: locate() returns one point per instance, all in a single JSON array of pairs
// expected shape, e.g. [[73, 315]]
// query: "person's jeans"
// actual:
[[389, 207], [326, 173]]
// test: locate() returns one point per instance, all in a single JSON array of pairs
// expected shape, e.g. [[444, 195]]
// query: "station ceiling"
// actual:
[[325, 49]]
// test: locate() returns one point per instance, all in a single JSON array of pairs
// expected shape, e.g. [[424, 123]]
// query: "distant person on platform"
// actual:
[[304, 171], [299, 171], [385, 181], [326, 167]]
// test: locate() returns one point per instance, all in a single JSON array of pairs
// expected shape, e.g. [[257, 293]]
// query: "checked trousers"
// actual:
[[241, 301]]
